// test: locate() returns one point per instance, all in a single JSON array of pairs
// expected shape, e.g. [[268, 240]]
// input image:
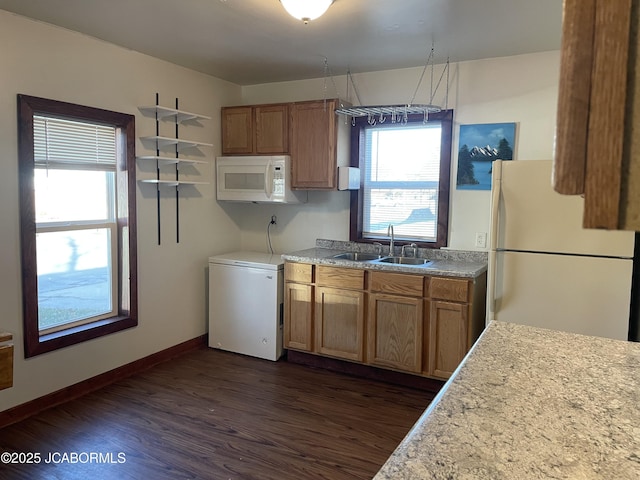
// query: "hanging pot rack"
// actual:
[[395, 113], [392, 111]]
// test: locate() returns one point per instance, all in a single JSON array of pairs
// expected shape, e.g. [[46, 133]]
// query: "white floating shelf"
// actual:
[[169, 183], [187, 182], [163, 142], [172, 183], [170, 154], [170, 160], [165, 113]]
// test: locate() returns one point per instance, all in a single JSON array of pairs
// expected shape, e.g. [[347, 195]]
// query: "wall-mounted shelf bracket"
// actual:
[[162, 143]]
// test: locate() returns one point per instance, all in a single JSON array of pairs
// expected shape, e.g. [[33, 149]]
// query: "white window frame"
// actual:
[[67, 143]]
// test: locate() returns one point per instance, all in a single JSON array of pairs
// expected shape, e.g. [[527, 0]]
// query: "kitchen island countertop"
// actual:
[[530, 403]]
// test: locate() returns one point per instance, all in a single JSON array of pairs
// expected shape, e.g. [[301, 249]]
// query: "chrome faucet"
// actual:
[[413, 246], [391, 239]]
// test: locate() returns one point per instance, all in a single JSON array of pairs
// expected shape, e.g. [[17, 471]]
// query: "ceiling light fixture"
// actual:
[[306, 10]]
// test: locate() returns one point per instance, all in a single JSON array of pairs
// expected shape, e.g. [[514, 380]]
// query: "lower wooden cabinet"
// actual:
[[339, 312], [394, 330], [298, 315], [298, 306], [447, 337], [411, 323], [339, 318]]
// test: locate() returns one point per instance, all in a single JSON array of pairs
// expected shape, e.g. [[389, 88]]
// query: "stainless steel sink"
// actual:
[[357, 256], [420, 262]]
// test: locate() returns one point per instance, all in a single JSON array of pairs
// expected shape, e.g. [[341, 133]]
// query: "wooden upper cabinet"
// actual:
[[255, 129], [272, 129], [237, 130], [597, 147], [313, 145], [310, 132]]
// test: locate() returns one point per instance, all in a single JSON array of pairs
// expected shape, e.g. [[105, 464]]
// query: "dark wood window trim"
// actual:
[[127, 315], [357, 160]]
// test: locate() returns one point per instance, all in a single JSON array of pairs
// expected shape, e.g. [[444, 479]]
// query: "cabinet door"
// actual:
[[598, 112], [448, 333], [313, 145], [237, 130], [298, 316], [272, 129], [395, 332], [339, 316]]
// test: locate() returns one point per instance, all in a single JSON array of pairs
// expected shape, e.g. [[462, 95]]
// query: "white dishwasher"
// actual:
[[246, 303]]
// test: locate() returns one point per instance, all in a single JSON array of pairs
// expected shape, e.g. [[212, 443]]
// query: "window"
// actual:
[[77, 201], [405, 170]]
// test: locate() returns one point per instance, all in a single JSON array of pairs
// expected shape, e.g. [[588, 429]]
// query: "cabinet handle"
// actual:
[[268, 178]]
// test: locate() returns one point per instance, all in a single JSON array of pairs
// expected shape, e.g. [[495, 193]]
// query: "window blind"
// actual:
[[402, 171], [69, 144]]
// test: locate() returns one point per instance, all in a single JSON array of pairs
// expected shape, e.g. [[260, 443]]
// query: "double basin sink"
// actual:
[[374, 258]]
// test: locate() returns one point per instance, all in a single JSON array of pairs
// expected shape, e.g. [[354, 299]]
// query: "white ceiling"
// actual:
[[255, 41]]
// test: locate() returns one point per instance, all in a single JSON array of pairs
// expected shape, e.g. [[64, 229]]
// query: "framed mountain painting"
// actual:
[[478, 146]]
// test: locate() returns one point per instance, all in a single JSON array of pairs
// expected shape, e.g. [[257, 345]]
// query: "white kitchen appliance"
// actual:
[[256, 179], [246, 303], [545, 270]]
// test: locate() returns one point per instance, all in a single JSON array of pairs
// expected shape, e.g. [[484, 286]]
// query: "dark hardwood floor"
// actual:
[[216, 415]]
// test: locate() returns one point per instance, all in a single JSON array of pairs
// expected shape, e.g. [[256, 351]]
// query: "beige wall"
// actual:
[[520, 89], [62, 65], [44, 61]]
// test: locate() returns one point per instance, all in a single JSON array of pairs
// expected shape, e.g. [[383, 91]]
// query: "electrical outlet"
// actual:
[[274, 220], [481, 239]]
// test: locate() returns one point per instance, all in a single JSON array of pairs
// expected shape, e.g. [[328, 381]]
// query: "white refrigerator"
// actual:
[[545, 270]]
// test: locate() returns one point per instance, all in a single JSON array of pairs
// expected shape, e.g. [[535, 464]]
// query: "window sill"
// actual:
[[64, 338]]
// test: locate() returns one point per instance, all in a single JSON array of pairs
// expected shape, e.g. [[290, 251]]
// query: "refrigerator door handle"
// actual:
[[496, 176]]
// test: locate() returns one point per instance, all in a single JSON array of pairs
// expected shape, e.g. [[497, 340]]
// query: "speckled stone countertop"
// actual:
[[530, 403], [455, 263]]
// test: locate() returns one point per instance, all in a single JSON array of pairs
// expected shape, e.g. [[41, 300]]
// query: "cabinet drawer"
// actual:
[[339, 277], [298, 272], [453, 289], [396, 283]]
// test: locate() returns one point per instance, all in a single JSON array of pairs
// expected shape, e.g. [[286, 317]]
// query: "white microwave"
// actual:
[[256, 179]]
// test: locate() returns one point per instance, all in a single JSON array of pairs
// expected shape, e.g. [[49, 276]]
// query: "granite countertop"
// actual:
[[457, 263], [530, 403]]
